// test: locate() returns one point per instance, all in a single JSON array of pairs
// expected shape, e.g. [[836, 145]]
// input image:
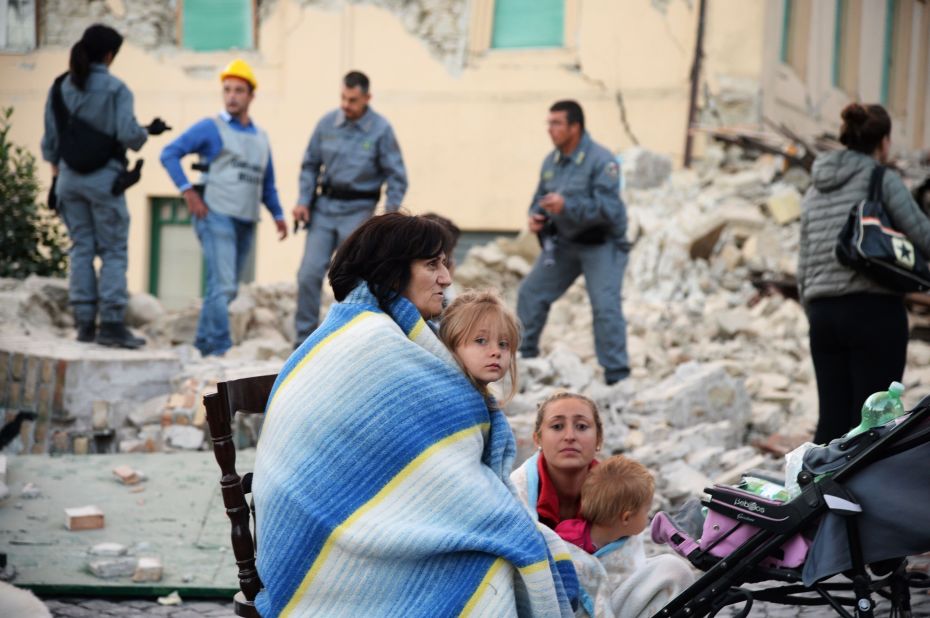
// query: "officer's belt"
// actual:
[[596, 235], [338, 193]]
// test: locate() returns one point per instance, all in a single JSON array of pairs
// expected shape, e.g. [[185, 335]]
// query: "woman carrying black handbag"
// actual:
[[858, 328]]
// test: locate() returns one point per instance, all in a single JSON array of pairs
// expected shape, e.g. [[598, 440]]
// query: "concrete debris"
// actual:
[[695, 393], [143, 309], [30, 491], [84, 518], [784, 204], [108, 549], [644, 169], [110, 568], [126, 475], [183, 437], [148, 569]]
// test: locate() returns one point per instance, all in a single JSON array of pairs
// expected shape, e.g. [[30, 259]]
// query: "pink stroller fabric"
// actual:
[[722, 535]]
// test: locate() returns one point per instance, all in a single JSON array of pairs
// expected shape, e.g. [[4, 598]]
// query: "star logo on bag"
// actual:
[[903, 252]]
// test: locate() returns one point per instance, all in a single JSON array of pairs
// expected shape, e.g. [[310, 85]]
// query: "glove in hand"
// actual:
[[157, 127]]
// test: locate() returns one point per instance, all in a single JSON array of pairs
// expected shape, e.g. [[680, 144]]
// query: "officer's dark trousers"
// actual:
[[326, 233], [98, 225], [859, 346], [603, 266]]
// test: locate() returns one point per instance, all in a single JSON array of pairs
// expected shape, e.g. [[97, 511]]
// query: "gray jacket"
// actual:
[[588, 179], [106, 104], [360, 155], [841, 180]]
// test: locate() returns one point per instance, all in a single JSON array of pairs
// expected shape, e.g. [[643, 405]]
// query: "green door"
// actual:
[[176, 273]]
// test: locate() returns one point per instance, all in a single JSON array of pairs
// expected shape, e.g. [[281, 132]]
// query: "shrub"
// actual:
[[32, 239]]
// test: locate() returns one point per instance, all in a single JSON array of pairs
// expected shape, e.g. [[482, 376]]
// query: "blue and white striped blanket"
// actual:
[[381, 483]]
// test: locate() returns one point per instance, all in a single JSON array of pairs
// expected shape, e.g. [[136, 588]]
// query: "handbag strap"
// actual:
[[875, 183], [58, 103], [63, 117]]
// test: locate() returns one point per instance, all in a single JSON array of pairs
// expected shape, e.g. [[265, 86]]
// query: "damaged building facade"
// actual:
[[822, 55], [466, 84], [467, 93]]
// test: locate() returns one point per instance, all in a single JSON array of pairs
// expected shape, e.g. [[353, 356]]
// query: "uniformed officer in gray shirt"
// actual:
[[94, 211], [352, 153], [581, 221]]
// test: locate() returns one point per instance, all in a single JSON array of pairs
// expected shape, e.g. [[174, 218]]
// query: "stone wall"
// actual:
[[77, 391], [146, 24]]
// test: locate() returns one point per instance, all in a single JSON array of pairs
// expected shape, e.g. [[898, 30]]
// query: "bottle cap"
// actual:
[[896, 389]]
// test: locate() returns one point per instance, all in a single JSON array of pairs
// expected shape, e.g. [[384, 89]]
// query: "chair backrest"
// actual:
[[248, 395]]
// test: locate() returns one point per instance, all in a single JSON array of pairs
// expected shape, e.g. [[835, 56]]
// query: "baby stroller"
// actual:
[[863, 502]]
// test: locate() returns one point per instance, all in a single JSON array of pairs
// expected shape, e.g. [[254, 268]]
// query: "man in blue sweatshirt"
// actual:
[[239, 174]]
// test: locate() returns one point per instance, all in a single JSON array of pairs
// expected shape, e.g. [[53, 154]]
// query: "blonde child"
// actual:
[[615, 501], [483, 336], [617, 580]]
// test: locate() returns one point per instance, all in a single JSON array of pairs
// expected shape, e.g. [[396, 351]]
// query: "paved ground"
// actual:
[[176, 515], [92, 608], [104, 608]]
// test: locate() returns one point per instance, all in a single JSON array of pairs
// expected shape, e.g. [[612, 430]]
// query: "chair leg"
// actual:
[[243, 607]]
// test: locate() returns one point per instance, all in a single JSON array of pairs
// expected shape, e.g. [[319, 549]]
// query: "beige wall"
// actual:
[[472, 138]]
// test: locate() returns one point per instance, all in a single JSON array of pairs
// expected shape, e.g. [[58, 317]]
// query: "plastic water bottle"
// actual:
[[880, 408], [764, 488]]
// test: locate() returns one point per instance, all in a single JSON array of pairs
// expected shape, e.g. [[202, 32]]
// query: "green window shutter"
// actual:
[[785, 31], [217, 24], [887, 52], [528, 23]]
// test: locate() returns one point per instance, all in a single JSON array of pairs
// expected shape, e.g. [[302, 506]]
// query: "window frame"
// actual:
[[561, 4], [795, 36], [179, 30], [847, 43]]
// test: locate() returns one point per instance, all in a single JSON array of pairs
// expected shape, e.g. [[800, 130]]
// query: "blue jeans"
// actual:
[[603, 266], [98, 225], [226, 242]]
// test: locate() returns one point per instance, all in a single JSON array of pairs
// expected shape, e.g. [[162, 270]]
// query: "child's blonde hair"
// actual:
[[541, 412], [615, 486], [463, 315]]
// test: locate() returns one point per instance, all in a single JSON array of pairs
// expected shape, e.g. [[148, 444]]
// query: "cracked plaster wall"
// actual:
[[441, 25], [145, 23]]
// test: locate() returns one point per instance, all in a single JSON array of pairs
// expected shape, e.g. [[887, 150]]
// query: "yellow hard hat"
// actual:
[[241, 69]]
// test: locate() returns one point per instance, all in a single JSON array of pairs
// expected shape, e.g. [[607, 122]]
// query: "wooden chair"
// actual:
[[248, 395]]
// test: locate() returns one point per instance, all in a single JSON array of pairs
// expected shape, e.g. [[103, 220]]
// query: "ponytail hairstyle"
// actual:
[[864, 127], [98, 41]]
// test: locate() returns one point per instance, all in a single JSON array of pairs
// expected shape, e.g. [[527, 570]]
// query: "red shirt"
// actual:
[[577, 532], [547, 506]]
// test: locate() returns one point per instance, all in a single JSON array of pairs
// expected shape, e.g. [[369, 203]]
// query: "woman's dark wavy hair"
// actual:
[[381, 251], [98, 41], [864, 127]]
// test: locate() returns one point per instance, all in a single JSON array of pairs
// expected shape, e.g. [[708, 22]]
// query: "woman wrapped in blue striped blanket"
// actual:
[[381, 474]]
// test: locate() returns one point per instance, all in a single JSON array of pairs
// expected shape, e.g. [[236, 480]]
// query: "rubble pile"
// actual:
[[718, 348], [721, 372]]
